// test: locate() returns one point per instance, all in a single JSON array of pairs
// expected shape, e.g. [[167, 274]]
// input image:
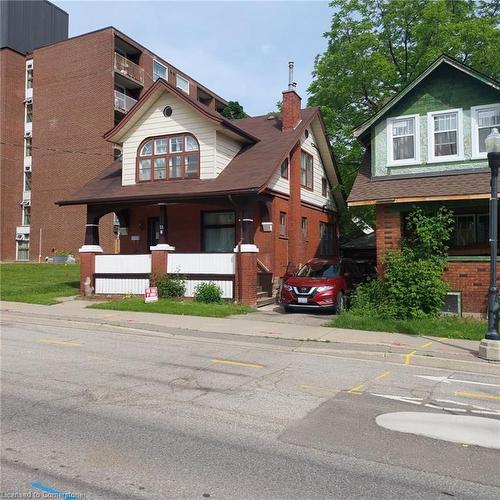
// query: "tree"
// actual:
[[376, 47], [233, 111]]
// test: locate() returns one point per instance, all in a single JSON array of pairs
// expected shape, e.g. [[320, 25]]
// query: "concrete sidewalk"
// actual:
[[460, 355]]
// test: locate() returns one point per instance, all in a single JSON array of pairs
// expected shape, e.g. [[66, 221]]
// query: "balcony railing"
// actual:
[[129, 69], [123, 102]]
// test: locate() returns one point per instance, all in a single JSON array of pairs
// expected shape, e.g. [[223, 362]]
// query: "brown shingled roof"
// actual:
[[249, 172], [469, 184]]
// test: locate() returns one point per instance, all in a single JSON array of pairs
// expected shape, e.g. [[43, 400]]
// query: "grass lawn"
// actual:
[[169, 306], [38, 283], [446, 326]]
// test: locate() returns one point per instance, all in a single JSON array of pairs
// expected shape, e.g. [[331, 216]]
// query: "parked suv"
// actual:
[[321, 284]]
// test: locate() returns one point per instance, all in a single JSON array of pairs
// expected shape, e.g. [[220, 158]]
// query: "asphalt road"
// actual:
[[115, 413]]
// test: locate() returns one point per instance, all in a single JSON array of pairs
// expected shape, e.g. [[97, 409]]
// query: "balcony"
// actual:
[[130, 70], [123, 102]]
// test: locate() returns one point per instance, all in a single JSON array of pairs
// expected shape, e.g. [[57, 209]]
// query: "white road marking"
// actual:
[[415, 401], [447, 380]]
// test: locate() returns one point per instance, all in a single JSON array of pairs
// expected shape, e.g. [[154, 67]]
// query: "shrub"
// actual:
[[208, 293], [169, 286]]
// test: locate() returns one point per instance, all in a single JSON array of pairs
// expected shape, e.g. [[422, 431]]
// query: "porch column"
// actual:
[[162, 240], [88, 252], [246, 261], [159, 252]]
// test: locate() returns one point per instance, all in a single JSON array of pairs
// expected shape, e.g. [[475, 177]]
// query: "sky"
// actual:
[[239, 49]]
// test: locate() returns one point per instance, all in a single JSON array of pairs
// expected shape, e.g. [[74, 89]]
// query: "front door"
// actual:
[[153, 231]]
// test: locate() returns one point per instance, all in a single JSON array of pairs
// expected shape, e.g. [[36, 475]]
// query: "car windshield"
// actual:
[[319, 271]]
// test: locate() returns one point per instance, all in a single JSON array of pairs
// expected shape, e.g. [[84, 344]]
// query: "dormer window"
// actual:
[[445, 138], [403, 140], [168, 157], [484, 119]]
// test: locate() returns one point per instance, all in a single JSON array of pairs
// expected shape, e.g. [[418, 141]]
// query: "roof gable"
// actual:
[[443, 60]]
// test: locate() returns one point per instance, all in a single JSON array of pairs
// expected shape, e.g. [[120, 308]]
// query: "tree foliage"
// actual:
[[233, 111], [376, 47]]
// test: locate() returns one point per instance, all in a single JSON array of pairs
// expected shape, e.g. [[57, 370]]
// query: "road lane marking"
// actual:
[[447, 380], [357, 389], [236, 363], [59, 342], [382, 375], [408, 357], [404, 399], [477, 395], [425, 345]]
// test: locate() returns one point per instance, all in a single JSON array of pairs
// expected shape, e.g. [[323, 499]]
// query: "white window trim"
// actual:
[[177, 76], [163, 66], [474, 111], [430, 137], [391, 162]]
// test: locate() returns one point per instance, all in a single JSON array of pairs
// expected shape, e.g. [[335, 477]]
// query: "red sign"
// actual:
[[151, 294]]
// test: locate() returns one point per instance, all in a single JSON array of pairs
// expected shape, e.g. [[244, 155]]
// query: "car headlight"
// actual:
[[288, 287], [325, 288]]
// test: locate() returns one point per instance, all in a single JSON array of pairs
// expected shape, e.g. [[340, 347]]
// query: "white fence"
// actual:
[[122, 274]]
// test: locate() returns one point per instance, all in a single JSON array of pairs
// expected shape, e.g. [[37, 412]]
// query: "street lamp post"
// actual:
[[490, 346]]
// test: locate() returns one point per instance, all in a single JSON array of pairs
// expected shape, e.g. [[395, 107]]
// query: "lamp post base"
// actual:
[[489, 350]]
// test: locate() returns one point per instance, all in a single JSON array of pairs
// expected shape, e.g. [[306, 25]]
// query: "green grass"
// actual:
[[169, 306], [38, 283], [446, 326]]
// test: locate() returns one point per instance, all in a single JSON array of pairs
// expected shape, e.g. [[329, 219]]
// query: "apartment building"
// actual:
[[57, 101]]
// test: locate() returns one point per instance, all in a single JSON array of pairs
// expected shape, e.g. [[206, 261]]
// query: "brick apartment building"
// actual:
[[58, 97]]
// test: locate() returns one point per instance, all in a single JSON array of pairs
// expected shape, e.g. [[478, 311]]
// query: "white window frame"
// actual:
[[180, 77], [390, 149], [430, 137], [474, 112], [163, 66]]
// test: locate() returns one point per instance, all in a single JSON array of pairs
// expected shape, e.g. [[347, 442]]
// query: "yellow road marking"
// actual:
[[357, 389], [59, 342], [408, 357], [236, 363], [477, 395], [425, 345], [382, 375]]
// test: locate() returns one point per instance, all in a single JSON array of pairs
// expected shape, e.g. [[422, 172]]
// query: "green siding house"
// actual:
[[426, 147]]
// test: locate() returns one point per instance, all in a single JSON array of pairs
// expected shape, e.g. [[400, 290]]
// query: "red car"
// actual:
[[320, 284]]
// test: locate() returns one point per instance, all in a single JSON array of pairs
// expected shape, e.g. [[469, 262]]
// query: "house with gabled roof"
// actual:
[[426, 147], [230, 201]]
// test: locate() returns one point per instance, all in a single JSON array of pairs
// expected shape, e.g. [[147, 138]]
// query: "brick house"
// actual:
[[58, 97], [426, 147], [230, 201]]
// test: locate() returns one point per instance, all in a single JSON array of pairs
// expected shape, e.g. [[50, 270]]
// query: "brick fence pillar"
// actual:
[[159, 258], [246, 274], [87, 265], [389, 232]]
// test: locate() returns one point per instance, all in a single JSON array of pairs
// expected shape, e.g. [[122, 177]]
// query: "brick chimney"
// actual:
[[290, 113]]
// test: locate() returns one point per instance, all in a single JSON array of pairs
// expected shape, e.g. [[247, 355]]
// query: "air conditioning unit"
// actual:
[[27, 133], [27, 168], [28, 100], [29, 65], [22, 237], [26, 203]]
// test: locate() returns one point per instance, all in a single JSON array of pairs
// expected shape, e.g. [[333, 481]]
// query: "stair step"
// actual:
[[261, 294], [265, 301]]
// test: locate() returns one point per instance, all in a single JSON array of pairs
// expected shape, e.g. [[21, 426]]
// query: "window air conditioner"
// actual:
[[27, 168], [28, 100], [19, 237], [26, 203], [29, 65], [27, 133]]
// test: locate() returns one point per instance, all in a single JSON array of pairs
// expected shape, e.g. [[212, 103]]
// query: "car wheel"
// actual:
[[341, 303]]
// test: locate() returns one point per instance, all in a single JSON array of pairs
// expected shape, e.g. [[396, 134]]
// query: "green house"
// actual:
[[426, 147]]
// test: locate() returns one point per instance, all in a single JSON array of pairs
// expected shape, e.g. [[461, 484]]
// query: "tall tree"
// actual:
[[233, 111], [376, 47]]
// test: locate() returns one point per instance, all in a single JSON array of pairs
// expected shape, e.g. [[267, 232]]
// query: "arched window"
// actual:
[[168, 157]]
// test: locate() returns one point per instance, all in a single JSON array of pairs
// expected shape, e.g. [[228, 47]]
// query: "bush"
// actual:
[[208, 293], [169, 286]]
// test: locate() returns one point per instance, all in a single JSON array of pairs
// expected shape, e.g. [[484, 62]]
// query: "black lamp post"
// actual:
[[490, 346]]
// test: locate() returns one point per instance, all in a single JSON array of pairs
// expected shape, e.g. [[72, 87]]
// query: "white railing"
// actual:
[[123, 264], [123, 102], [201, 263]]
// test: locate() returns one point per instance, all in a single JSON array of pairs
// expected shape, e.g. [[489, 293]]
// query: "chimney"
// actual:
[[291, 115]]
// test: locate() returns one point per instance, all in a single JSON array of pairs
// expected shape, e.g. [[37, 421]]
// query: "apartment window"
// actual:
[[283, 225], [324, 187], [27, 181], [28, 146], [403, 140], [304, 227], [284, 169], [445, 141], [327, 236], [29, 78], [182, 83], [26, 216], [159, 71], [471, 229], [168, 157], [218, 232], [29, 112], [306, 170], [484, 119], [23, 250]]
